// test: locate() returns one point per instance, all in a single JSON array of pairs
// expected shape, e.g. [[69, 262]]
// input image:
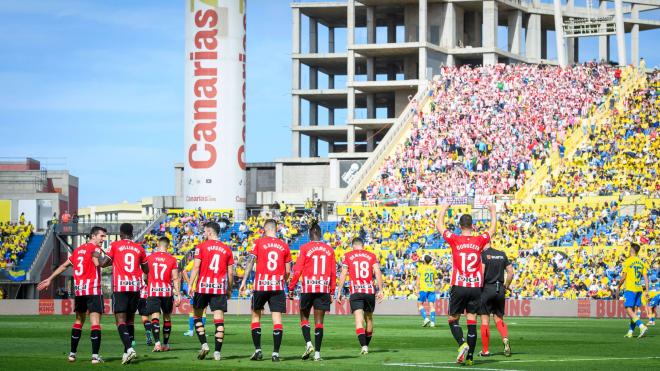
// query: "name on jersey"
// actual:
[[466, 246], [268, 282], [211, 285], [322, 249], [272, 245], [309, 281], [220, 249], [160, 260], [359, 255], [129, 282], [134, 249]]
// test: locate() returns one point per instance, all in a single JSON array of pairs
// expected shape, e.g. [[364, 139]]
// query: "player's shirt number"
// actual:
[[272, 261], [361, 269], [468, 262]]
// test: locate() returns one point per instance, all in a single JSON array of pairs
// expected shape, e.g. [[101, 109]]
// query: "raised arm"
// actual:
[[440, 223], [493, 220], [46, 283]]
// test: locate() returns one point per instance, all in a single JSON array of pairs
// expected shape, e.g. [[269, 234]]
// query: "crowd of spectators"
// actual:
[[488, 127], [621, 156], [14, 238]]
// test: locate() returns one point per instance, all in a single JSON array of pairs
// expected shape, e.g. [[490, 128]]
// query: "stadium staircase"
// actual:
[[632, 79], [33, 246], [396, 135]]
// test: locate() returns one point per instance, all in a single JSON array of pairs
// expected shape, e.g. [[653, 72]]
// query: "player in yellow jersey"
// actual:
[[633, 276], [425, 284]]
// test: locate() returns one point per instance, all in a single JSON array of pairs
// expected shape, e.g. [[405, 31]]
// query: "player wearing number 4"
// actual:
[[634, 275], [126, 258], [273, 269], [316, 267], [362, 266], [466, 278]]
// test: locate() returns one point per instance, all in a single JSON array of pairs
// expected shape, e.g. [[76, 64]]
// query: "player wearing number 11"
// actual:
[[466, 278]]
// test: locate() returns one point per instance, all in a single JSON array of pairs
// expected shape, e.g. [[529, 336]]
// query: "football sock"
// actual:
[[433, 316], [502, 328], [639, 323], [422, 312], [318, 337], [76, 332], [456, 332], [362, 338], [147, 325], [219, 334], [278, 333], [167, 330], [191, 323], [199, 328], [368, 335], [485, 337], [256, 335], [131, 331], [155, 329], [471, 338], [95, 336], [304, 326], [123, 335], [632, 326]]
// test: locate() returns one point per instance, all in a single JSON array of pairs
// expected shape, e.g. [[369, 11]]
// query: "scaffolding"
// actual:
[[590, 26]]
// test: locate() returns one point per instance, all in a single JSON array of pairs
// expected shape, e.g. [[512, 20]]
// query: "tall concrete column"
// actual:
[[448, 35], [489, 34], [370, 141], [423, 21], [313, 84], [559, 34], [295, 84], [572, 42], [331, 39], [515, 31], [634, 36], [350, 76], [620, 32], [371, 25], [533, 38], [544, 43], [391, 30], [603, 41]]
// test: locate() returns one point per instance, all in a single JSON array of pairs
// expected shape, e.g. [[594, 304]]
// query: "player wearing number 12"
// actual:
[[316, 267], [87, 290], [214, 264], [361, 267], [126, 258], [273, 269], [466, 278]]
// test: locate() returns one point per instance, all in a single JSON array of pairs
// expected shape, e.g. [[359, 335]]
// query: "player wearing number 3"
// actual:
[[273, 269], [316, 267], [466, 278]]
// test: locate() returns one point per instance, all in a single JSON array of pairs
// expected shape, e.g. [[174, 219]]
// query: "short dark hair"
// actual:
[[315, 232], [427, 259], [126, 229], [164, 240], [357, 240], [465, 221], [270, 223], [96, 229], [635, 247], [213, 225]]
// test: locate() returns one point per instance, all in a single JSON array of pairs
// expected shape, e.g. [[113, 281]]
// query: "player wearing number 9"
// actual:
[[466, 278]]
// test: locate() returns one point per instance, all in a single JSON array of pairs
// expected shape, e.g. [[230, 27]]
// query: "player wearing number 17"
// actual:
[[214, 264], [466, 278], [273, 268], [316, 267]]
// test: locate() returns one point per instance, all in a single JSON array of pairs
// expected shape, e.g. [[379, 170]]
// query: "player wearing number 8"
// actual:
[[126, 258], [317, 269], [466, 278], [273, 269]]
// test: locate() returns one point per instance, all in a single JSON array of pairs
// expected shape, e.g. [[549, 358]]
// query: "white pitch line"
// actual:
[[439, 364], [443, 367]]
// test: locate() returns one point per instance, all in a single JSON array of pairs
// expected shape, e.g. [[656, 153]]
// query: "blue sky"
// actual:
[[97, 87]]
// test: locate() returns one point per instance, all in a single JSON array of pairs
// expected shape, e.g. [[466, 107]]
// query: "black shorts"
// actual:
[[88, 303], [157, 304], [276, 300], [492, 300], [320, 301], [464, 299], [366, 302], [125, 302], [213, 301], [142, 307]]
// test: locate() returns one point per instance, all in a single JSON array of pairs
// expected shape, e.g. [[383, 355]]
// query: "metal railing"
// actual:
[[44, 251]]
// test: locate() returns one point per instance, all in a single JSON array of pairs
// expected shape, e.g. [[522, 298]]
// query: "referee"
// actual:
[[493, 296]]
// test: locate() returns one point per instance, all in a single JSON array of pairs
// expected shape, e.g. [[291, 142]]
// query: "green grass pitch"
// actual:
[[42, 342]]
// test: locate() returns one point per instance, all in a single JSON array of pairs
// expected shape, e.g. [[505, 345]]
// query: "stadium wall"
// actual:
[[515, 308]]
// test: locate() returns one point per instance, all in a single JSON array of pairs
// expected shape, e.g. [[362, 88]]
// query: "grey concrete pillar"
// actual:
[[423, 32], [331, 81], [603, 41], [489, 33], [559, 34], [571, 42], [295, 84], [331, 39], [391, 30], [620, 32], [544, 43], [370, 141], [533, 38], [448, 35], [634, 36], [371, 69], [313, 35], [350, 76], [515, 31], [331, 116], [475, 33], [371, 106], [371, 25]]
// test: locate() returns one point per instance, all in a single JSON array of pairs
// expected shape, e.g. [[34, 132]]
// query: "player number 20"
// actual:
[[468, 262]]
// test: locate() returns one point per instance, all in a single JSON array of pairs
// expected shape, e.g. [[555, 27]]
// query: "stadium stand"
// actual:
[[18, 246]]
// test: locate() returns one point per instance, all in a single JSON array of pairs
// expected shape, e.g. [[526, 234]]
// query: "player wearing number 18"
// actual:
[[87, 290], [126, 258], [214, 264], [273, 268], [361, 267], [466, 278], [316, 267], [163, 274]]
